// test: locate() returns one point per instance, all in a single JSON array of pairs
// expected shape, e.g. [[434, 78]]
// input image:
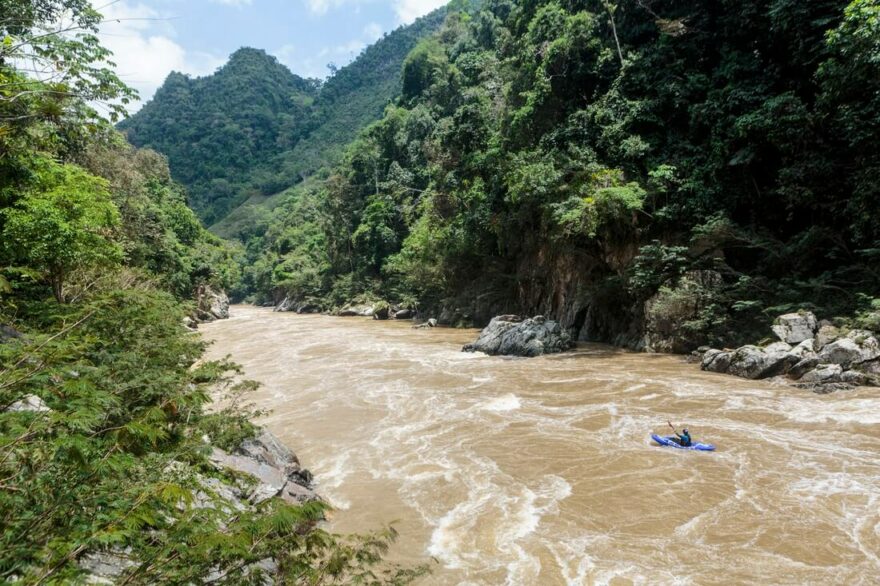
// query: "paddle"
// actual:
[[673, 427]]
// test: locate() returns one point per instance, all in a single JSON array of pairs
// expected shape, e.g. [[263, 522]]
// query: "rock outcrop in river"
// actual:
[[211, 304], [817, 355], [511, 335]]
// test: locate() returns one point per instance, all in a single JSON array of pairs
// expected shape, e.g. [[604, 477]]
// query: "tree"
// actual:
[[63, 223]]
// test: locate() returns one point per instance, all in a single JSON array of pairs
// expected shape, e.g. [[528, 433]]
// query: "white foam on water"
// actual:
[[508, 402]]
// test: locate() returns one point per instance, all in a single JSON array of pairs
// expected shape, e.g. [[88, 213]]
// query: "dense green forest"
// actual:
[[104, 395], [254, 129], [691, 167]]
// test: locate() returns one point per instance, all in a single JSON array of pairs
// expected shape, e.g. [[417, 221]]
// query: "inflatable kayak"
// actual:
[[670, 442]]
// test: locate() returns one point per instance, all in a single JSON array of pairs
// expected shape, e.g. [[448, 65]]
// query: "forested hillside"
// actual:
[[682, 169], [253, 129], [220, 131], [105, 429]]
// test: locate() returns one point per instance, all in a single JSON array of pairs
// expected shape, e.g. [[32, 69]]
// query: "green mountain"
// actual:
[[218, 130], [254, 129]]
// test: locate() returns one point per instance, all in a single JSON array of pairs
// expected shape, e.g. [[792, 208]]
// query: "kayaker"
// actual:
[[684, 438]]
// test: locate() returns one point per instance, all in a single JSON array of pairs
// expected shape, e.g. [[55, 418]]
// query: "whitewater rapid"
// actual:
[[541, 471]]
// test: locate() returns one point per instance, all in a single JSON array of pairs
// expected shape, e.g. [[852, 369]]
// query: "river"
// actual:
[[541, 471]]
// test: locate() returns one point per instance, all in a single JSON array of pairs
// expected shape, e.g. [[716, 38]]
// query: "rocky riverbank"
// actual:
[[811, 354], [261, 468]]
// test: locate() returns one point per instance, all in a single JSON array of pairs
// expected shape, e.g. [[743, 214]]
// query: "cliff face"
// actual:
[[581, 289]]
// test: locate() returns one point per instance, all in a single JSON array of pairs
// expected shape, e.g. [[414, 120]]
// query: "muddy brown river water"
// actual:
[[541, 471]]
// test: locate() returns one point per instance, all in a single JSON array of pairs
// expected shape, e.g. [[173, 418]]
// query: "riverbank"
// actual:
[[542, 470]]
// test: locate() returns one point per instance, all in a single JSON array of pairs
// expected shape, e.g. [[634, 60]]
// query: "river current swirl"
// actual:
[[541, 471]]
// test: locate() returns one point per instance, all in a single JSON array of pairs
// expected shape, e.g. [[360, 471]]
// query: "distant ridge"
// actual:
[[253, 128]]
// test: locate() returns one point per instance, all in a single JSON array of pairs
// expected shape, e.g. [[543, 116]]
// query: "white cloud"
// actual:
[[144, 51], [315, 65], [373, 31], [409, 10], [406, 10], [233, 2]]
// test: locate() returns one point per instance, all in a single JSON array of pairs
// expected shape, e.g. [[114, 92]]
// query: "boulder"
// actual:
[[297, 494], [715, 361], [755, 363], [869, 367], [803, 367], [190, 324], [854, 377], [823, 374], [307, 308], [271, 480], [827, 333], [9, 333], [30, 403], [266, 448], [382, 313], [794, 328], [403, 314], [285, 305], [857, 347], [357, 311], [105, 567], [211, 304], [778, 347], [510, 335], [824, 388], [803, 350]]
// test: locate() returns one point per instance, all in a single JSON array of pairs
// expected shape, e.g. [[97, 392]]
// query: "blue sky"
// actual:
[[151, 38]]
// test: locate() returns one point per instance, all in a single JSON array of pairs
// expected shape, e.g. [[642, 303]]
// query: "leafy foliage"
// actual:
[[732, 137], [104, 394]]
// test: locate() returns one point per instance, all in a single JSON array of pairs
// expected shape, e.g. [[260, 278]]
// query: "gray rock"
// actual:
[[297, 494], [270, 479], [824, 388], [754, 363], [266, 448], [285, 305], [211, 305], [307, 308], [827, 333], [803, 350], [382, 313], [823, 374], [794, 328], [357, 311], [190, 324], [511, 336], [778, 347], [214, 493], [403, 314], [854, 377], [851, 350], [869, 367], [716, 361], [106, 566], [9, 333], [803, 367], [30, 403]]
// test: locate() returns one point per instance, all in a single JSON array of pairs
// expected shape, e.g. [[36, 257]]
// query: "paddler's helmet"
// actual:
[[686, 430]]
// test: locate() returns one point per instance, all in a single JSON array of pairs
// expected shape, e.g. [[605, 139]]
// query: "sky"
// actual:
[[151, 38]]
